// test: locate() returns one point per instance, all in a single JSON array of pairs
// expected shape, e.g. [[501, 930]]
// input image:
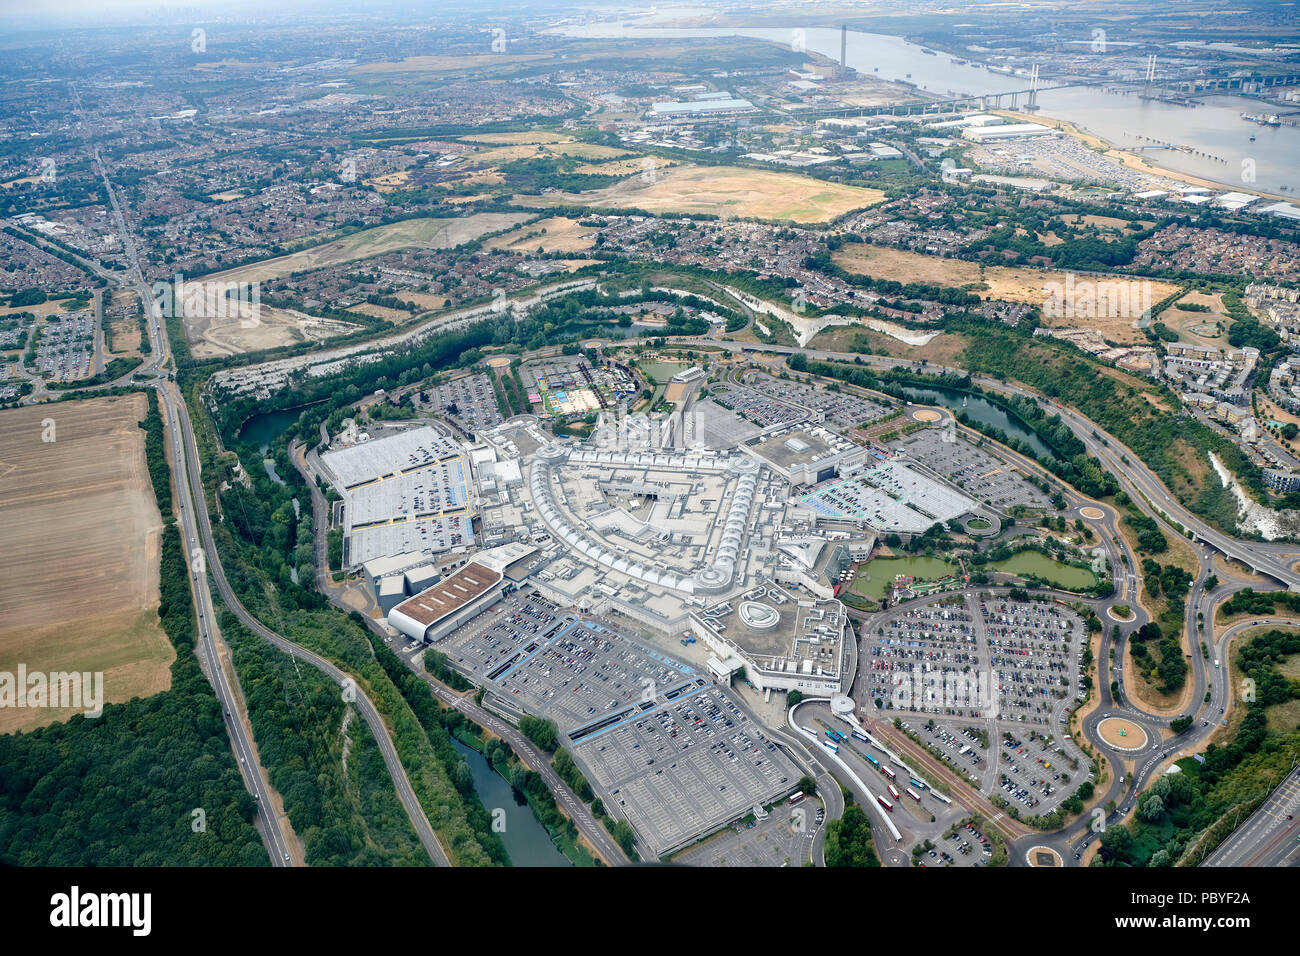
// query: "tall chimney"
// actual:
[[844, 45]]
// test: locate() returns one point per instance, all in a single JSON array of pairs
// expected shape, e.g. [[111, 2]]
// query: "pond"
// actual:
[[980, 410], [1065, 576], [875, 577], [661, 373], [525, 838], [265, 428]]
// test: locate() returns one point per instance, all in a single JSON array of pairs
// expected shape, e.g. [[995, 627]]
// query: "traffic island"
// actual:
[[1121, 734], [1121, 613], [1043, 856]]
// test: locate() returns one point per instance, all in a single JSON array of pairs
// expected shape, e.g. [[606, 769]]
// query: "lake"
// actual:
[[525, 838], [1065, 576], [265, 427], [875, 577], [980, 410]]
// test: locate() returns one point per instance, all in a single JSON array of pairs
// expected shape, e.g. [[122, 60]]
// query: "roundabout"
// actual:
[[498, 361], [1092, 514], [1043, 856], [1113, 612], [1119, 733]]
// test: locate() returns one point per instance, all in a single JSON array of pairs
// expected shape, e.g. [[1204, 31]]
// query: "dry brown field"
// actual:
[[430, 233], [562, 235], [230, 335], [79, 569], [126, 328], [1009, 283], [726, 191]]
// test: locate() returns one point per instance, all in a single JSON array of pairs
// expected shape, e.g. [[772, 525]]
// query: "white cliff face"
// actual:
[[805, 327], [1269, 523]]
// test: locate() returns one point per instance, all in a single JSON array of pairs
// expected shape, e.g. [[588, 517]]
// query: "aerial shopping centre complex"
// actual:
[[625, 583], [738, 542]]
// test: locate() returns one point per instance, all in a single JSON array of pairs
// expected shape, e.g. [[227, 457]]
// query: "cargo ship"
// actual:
[[1263, 119]]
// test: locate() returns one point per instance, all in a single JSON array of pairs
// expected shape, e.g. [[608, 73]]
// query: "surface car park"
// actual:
[[1018, 665], [469, 401], [843, 410]]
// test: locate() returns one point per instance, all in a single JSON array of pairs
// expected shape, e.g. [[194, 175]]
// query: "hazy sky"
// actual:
[[93, 12]]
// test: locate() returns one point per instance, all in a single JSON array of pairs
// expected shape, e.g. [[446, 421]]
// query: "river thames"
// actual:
[[1214, 128]]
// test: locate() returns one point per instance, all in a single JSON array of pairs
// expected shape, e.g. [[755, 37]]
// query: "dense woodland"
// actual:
[[322, 759], [848, 839]]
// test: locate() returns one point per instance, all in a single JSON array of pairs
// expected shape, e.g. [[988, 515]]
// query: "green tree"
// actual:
[[848, 840]]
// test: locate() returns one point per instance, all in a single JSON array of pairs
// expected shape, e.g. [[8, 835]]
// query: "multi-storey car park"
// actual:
[[975, 470], [409, 492], [671, 750], [561, 575], [890, 496]]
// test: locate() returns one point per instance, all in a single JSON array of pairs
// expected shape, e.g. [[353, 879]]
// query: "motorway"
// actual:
[[1069, 841], [196, 527], [250, 768], [1141, 484], [184, 445], [1270, 836], [253, 773]]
